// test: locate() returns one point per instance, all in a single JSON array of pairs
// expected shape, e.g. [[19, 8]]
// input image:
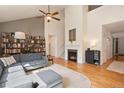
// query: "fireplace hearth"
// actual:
[[72, 55]]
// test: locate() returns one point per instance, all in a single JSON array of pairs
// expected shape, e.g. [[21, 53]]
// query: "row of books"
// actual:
[[5, 34], [35, 37], [37, 50], [9, 51], [7, 40], [37, 41], [18, 45], [13, 51]]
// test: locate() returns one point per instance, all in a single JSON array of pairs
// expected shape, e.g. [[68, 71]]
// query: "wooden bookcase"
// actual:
[[32, 44]]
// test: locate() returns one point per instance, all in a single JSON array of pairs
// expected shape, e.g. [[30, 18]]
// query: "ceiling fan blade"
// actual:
[[55, 13], [56, 18], [42, 12]]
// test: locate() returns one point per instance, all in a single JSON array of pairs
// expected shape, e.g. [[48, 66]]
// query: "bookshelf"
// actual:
[[32, 44]]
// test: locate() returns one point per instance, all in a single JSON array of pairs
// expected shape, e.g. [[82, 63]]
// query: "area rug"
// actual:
[[71, 79], [116, 66]]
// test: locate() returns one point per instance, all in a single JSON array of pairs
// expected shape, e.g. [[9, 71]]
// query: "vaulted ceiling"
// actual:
[[15, 12]]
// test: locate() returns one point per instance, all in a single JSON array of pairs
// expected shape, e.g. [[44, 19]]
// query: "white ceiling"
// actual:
[[14, 12], [115, 27]]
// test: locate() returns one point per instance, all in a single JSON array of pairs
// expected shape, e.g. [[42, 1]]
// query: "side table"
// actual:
[[50, 59]]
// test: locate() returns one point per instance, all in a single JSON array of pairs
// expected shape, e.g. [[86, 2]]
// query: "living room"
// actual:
[[43, 45]]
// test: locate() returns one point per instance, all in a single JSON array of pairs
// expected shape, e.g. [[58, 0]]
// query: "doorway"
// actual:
[[52, 45], [121, 45]]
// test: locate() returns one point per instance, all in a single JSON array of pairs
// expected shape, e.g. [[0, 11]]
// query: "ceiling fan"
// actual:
[[48, 15]]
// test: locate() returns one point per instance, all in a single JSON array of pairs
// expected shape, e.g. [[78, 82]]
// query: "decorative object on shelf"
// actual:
[[19, 35], [72, 35], [48, 15]]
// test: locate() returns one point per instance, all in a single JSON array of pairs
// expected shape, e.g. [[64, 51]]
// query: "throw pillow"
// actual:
[[12, 60], [8, 60], [4, 61]]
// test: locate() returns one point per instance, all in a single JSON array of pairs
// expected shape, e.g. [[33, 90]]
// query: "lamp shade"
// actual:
[[19, 35], [93, 43]]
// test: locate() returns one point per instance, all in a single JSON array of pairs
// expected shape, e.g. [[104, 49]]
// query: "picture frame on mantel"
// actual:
[[72, 35]]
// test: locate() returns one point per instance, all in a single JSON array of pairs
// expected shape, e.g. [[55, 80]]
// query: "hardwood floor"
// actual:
[[99, 76]]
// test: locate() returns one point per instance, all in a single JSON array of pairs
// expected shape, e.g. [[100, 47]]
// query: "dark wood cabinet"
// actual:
[[92, 56]]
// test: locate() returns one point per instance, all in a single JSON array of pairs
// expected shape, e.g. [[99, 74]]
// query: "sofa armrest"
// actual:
[[46, 59]]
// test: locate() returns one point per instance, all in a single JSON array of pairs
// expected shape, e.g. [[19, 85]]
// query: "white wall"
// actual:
[[56, 29], [75, 17], [107, 44], [97, 18], [35, 26]]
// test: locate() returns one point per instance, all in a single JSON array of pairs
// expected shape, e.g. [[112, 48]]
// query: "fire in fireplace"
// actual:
[[72, 55]]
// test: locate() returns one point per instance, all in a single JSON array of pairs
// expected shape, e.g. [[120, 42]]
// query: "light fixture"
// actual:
[[93, 43], [19, 35], [48, 18]]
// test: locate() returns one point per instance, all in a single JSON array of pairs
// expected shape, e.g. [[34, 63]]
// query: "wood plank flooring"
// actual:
[[99, 76]]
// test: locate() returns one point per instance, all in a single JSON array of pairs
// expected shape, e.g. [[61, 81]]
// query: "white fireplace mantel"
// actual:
[[71, 46]]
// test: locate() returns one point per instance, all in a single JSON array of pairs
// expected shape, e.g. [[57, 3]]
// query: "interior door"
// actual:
[[121, 46]]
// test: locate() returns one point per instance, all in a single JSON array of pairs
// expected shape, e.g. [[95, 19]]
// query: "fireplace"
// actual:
[[72, 55]]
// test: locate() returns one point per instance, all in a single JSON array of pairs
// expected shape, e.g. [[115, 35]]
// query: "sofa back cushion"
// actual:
[[17, 58], [1, 68], [30, 57]]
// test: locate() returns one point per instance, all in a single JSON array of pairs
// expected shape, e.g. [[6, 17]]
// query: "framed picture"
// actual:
[[72, 35]]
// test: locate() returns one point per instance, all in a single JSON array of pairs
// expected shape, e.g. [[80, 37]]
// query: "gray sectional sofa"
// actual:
[[15, 74], [31, 61]]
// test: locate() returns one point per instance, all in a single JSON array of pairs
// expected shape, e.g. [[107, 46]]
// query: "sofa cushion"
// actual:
[[16, 64], [1, 68], [14, 68], [30, 57], [21, 82], [17, 58], [1, 63], [46, 59], [33, 63], [11, 76]]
